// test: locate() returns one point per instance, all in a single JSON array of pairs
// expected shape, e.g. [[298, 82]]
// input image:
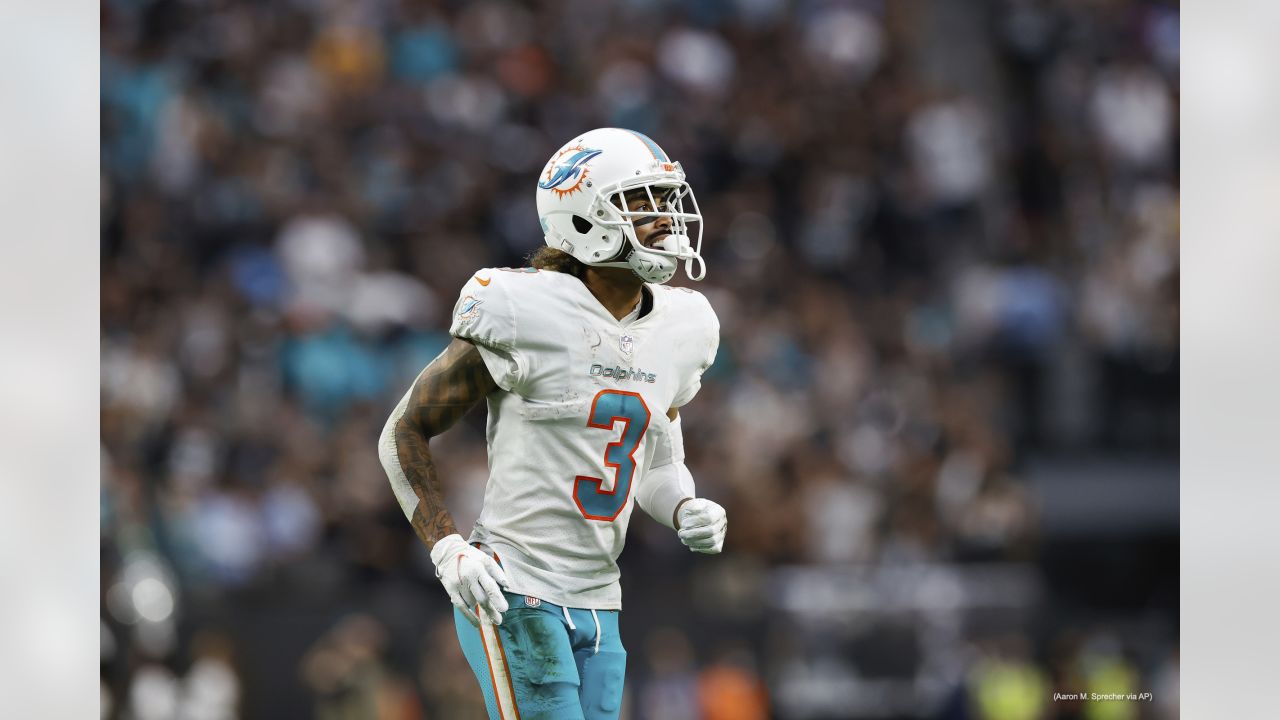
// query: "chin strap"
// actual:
[[702, 268]]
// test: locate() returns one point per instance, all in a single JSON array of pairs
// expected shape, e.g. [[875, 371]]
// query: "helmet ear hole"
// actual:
[[581, 224]]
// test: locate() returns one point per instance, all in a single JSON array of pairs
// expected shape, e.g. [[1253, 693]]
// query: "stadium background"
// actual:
[[942, 238]]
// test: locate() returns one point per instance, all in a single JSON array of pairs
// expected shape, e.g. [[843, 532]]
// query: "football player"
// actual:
[[583, 359]]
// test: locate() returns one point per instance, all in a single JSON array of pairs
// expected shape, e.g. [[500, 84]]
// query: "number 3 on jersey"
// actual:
[[608, 408]]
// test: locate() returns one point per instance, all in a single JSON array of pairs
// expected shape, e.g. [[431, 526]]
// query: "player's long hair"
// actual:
[[549, 258]]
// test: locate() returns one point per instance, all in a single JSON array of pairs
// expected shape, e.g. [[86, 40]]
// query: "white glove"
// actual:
[[471, 578], [703, 524]]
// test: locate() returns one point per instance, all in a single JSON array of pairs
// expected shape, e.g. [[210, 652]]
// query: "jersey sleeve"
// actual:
[[705, 347], [486, 316]]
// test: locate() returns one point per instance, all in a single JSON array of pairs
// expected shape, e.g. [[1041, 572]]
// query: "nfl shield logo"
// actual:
[[624, 342], [532, 601]]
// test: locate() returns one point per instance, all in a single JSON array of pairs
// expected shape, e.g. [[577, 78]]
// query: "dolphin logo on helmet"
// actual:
[[569, 170]]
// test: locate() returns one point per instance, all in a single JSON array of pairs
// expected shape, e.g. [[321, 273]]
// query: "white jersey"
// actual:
[[581, 415]]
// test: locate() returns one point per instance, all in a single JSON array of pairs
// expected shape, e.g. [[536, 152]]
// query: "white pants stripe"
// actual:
[[503, 692]]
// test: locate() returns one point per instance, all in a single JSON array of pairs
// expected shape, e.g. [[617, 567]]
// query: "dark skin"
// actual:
[[458, 380], [450, 386], [618, 289]]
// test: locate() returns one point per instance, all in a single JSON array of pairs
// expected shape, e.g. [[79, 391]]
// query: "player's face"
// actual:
[[649, 228]]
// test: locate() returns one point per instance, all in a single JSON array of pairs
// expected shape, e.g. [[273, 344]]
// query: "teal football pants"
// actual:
[[545, 663]]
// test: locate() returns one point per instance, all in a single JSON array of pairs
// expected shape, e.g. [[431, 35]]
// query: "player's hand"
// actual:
[[472, 578], [703, 524]]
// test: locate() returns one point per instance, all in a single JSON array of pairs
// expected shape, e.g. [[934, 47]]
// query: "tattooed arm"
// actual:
[[450, 386]]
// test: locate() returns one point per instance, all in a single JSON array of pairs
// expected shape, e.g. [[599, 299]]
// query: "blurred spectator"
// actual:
[[347, 672], [729, 689], [671, 686], [1132, 113], [1106, 671], [950, 152], [446, 678], [212, 687], [1006, 685]]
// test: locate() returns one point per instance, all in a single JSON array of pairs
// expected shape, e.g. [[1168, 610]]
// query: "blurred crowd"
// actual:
[[942, 239]]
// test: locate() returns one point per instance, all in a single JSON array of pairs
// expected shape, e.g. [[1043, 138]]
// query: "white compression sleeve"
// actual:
[[390, 458], [668, 481], [662, 490]]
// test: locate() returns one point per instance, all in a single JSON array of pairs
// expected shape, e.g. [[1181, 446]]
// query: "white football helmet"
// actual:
[[583, 211]]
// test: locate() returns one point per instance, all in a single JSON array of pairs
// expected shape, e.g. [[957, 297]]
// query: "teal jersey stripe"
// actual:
[[653, 146]]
